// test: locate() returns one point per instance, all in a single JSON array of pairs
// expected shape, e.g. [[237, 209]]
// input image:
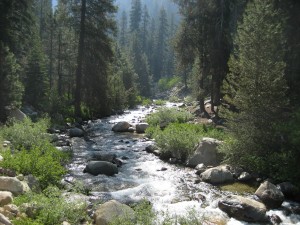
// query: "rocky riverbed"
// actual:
[[172, 189]]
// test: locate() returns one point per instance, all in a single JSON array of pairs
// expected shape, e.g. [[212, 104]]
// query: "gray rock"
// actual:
[[121, 127], [4, 220], [6, 198], [244, 209], [76, 132], [200, 168], [33, 183], [151, 148], [15, 114], [245, 176], [141, 127], [270, 195], [217, 175], [110, 211], [101, 167], [13, 185], [98, 156], [1, 158], [206, 153], [131, 129]]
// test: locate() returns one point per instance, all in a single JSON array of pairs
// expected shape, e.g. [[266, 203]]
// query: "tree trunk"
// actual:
[[201, 84], [80, 57], [51, 55], [59, 82]]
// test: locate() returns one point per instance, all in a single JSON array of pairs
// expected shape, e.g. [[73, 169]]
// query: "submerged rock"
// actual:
[[110, 211], [244, 209], [101, 167], [270, 195], [217, 175]]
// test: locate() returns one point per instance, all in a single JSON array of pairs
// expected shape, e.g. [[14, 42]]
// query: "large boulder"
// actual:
[[76, 132], [217, 175], [101, 167], [141, 127], [121, 127], [270, 195], [6, 198], [13, 185], [16, 114], [112, 211], [206, 153], [244, 209]]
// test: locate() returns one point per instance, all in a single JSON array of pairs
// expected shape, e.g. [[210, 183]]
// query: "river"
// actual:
[[170, 188]]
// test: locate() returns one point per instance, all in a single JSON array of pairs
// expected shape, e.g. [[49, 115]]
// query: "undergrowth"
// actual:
[[49, 208]]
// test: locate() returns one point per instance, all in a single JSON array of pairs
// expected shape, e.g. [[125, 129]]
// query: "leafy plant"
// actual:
[[164, 116], [25, 134], [178, 139], [166, 83], [44, 162], [51, 208]]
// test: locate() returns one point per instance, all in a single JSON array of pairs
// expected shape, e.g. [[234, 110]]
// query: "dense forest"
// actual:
[[85, 59]]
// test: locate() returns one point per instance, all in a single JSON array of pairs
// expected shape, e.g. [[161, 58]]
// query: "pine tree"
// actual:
[[36, 80], [257, 87], [161, 46], [11, 88], [123, 30], [94, 56], [135, 15]]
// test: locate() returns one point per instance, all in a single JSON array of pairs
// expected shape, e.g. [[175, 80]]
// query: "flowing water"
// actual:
[[170, 188]]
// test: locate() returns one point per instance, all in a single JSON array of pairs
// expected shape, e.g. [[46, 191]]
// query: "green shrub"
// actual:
[[164, 116], [165, 83], [160, 102], [44, 162], [25, 134], [52, 208], [179, 139]]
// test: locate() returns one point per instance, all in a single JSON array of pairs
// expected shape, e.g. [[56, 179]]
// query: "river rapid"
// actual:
[[171, 189]]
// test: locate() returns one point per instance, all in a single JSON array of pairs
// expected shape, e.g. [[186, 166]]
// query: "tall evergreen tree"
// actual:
[[94, 55], [16, 22], [161, 46], [257, 86], [123, 30], [36, 81], [135, 15]]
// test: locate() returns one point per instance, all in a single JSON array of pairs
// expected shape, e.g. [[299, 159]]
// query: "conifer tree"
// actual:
[[256, 85]]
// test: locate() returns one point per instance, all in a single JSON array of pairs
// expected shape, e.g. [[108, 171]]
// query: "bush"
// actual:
[[179, 140], [25, 134], [164, 116], [165, 83], [52, 208], [160, 102], [44, 162]]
